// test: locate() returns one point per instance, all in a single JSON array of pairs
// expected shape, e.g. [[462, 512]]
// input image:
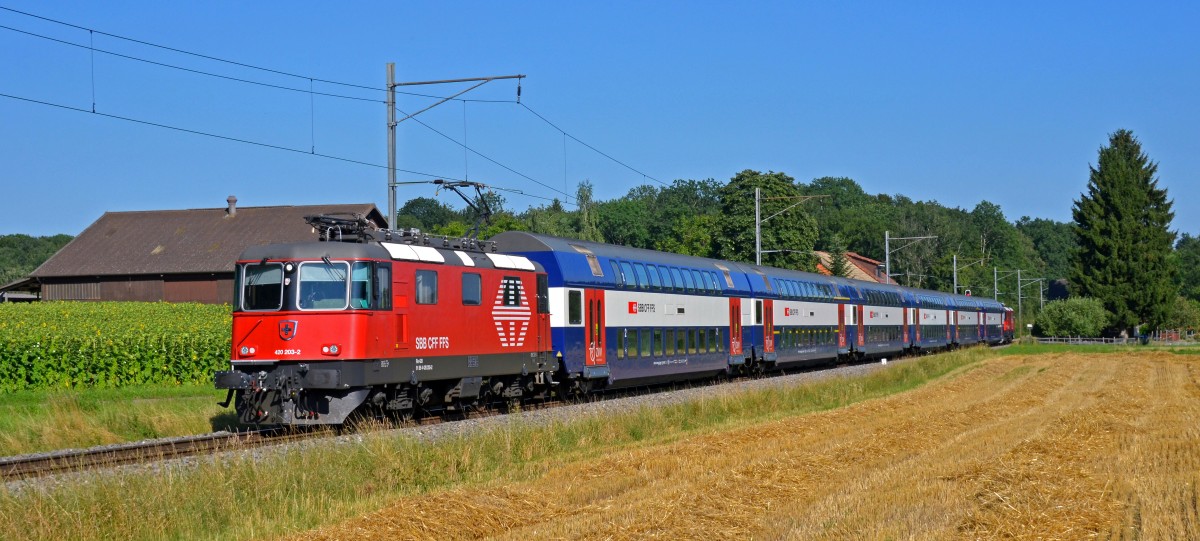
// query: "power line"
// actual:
[[594, 149], [189, 70], [255, 143], [488, 158], [217, 59]]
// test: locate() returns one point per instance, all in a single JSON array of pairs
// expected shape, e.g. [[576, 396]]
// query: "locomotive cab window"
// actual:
[[361, 290], [472, 289], [262, 287], [323, 285], [427, 287]]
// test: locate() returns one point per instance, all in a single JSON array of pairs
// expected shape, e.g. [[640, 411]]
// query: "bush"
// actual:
[[57, 345], [1076, 316]]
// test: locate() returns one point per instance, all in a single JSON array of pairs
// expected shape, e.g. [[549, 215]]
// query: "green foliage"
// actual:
[[1185, 315], [838, 264], [1076, 316], [1187, 252], [1124, 244], [792, 233], [1053, 241], [426, 214], [21, 254], [60, 345]]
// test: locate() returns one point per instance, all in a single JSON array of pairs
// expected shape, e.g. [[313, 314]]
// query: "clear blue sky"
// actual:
[[956, 102]]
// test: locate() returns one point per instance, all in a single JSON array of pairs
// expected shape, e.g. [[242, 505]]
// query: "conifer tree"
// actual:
[[1124, 241], [838, 264]]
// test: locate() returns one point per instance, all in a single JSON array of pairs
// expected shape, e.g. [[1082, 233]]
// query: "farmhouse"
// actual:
[[173, 255], [861, 267]]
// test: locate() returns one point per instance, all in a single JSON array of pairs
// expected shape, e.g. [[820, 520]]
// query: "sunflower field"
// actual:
[[62, 345]]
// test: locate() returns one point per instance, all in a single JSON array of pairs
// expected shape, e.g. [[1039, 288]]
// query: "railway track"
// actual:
[[75, 460]]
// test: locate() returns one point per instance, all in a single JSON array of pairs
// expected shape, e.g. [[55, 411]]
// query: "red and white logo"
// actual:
[[511, 313], [288, 329]]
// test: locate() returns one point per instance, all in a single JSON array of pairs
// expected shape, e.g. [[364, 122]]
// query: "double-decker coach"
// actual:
[[625, 316]]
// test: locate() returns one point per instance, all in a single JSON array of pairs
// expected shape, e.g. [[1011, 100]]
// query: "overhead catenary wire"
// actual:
[[223, 60], [312, 151], [568, 197], [250, 142], [594, 149]]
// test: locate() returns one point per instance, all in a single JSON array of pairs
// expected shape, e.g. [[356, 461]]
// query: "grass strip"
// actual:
[[267, 495], [38, 421]]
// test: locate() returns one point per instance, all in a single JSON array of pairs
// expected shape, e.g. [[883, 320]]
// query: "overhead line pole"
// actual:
[[758, 223], [887, 249], [391, 123]]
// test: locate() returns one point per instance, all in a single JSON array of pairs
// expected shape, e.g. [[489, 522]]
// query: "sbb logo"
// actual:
[[640, 307]]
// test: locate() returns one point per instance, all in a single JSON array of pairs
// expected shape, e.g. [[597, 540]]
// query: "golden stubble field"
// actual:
[[1065, 446]]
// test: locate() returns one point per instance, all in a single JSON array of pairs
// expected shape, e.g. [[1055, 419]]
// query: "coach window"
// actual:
[[627, 272], [617, 273], [643, 280], [574, 307], [472, 289], [262, 287], [427, 287], [659, 346], [681, 341], [758, 312], [668, 341], [645, 346], [654, 283], [678, 279], [666, 278], [323, 286], [688, 282]]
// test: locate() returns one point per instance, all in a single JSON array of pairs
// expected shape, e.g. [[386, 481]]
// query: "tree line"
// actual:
[[1118, 250]]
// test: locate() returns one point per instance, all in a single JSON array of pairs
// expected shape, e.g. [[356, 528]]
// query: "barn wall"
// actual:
[[204, 288]]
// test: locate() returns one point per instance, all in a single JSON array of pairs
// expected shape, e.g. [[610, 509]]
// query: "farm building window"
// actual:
[[427, 287], [472, 289], [263, 287]]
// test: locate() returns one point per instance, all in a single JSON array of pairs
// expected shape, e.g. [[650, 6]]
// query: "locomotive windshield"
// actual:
[[262, 287], [323, 285], [314, 285]]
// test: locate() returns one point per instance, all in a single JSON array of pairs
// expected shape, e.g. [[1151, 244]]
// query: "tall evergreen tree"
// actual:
[[1124, 247], [838, 264]]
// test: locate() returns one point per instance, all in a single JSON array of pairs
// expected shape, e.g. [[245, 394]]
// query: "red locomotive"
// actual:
[[405, 323]]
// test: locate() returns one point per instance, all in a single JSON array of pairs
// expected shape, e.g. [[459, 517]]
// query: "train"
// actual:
[[399, 323]]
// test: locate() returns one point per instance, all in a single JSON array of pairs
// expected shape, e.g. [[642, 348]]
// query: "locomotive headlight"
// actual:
[[247, 351], [331, 349]]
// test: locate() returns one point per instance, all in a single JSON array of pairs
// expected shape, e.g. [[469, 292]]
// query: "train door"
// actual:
[[862, 325], [735, 327], [841, 326], [769, 328], [917, 325], [594, 327]]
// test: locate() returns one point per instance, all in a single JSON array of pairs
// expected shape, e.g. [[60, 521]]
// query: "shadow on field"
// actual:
[[227, 421]]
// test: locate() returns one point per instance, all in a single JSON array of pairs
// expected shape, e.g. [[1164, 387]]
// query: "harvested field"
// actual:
[[1065, 446]]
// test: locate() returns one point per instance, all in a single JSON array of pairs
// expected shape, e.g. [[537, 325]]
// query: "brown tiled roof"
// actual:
[[184, 241], [861, 267]]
